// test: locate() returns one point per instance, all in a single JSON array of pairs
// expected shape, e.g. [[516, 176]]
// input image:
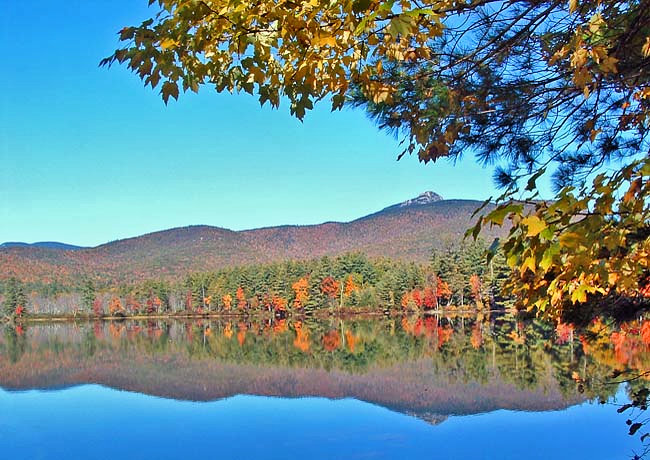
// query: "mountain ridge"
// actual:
[[42, 244], [404, 231]]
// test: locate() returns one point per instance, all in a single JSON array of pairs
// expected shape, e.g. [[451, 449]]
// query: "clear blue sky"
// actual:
[[89, 155]]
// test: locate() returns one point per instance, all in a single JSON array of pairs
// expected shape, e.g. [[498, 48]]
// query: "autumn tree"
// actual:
[[115, 308], [477, 289], [301, 292], [98, 310], [547, 87], [331, 340], [227, 301], [15, 300], [241, 298], [330, 287], [279, 304]]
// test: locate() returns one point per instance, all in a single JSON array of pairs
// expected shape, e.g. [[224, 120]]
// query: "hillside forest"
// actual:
[[457, 275]]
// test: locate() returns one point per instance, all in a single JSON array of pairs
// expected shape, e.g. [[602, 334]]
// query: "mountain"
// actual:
[[422, 199], [406, 231], [41, 244]]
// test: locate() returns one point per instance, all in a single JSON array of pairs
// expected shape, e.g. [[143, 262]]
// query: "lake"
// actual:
[[420, 387]]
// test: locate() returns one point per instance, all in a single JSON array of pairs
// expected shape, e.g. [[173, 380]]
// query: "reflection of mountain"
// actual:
[[406, 231], [411, 388], [379, 363], [429, 417]]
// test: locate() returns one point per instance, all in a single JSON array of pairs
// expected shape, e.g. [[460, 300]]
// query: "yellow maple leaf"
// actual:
[[534, 224]]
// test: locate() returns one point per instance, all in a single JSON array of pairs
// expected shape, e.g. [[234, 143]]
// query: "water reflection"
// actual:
[[94, 422], [426, 367]]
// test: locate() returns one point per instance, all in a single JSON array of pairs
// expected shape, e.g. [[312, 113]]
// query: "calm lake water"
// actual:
[[399, 388]]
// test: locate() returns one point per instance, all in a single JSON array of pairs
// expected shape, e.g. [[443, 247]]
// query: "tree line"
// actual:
[[457, 275]]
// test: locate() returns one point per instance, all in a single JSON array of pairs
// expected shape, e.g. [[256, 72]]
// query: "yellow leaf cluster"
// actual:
[[583, 248], [302, 50]]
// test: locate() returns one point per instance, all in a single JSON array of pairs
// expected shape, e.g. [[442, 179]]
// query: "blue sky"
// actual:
[[89, 155]]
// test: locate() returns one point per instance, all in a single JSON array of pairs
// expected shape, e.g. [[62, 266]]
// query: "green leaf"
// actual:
[[401, 25], [499, 214], [475, 230], [531, 185], [547, 257], [579, 295], [483, 205], [492, 250]]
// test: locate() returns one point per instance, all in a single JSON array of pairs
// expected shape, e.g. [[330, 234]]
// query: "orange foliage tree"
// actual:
[[476, 286], [301, 291], [428, 297], [115, 306], [241, 298], [351, 340], [227, 301], [351, 285], [279, 303]]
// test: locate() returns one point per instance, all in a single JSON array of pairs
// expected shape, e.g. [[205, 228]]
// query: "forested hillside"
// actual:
[[407, 232]]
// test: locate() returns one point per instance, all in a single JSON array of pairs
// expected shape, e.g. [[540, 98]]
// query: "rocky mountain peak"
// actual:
[[423, 198]]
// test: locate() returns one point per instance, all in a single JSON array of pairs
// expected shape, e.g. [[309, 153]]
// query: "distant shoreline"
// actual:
[[85, 317]]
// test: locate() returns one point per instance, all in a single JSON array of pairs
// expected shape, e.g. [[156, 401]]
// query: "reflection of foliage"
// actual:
[[471, 349], [15, 342], [531, 356]]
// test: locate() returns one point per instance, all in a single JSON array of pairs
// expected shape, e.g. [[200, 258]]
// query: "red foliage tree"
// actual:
[[330, 287], [430, 299], [417, 297], [645, 332], [442, 289], [98, 308]]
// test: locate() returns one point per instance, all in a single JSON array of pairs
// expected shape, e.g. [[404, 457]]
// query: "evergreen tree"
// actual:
[[14, 297], [88, 294]]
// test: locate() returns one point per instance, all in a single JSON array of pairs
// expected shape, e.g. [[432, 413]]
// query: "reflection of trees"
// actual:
[[15, 343], [530, 355]]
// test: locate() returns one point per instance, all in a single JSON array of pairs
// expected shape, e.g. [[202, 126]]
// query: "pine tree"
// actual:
[[14, 297], [88, 294]]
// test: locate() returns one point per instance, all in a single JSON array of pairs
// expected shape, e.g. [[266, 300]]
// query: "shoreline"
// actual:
[[36, 318]]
